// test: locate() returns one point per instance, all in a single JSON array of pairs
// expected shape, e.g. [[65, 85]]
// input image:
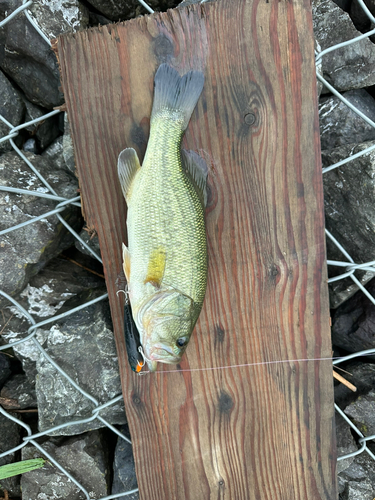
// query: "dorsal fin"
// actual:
[[197, 169], [127, 166]]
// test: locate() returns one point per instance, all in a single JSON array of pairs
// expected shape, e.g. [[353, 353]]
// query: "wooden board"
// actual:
[[201, 431]]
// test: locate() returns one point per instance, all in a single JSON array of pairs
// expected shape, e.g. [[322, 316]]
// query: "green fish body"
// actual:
[[166, 259]]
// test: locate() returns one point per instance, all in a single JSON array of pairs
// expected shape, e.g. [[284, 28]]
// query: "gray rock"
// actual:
[[349, 67], [45, 238], [10, 437], [5, 371], [360, 19], [348, 200], [340, 291], [11, 108], [319, 68], [358, 480], [362, 413], [44, 131], [91, 240], [339, 125], [68, 150], [30, 146], [83, 345], [27, 58], [55, 153], [84, 457], [344, 442], [362, 375], [46, 295], [127, 9], [19, 389], [96, 19], [353, 323], [55, 17], [124, 478]]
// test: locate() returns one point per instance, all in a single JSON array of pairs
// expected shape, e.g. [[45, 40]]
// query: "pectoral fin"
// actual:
[[126, 261], [127, 166], [196, 168], [156, 267]]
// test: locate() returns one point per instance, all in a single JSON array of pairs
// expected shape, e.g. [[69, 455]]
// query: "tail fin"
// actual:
[[175, 92]]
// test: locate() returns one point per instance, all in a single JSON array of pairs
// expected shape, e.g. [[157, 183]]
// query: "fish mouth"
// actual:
[[162, 354]]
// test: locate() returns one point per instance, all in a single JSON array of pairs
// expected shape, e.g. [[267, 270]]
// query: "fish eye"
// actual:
[[181, 341]]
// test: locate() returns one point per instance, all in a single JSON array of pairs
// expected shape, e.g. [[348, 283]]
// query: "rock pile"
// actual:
[[38, 263], [350, 217]]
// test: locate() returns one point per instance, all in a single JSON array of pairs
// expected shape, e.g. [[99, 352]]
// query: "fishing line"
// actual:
[[260, 363]]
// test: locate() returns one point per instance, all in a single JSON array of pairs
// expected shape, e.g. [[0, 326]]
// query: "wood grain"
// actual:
[[256, 432]]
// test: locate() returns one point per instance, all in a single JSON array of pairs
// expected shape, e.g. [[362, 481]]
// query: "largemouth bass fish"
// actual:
[[166, 261]]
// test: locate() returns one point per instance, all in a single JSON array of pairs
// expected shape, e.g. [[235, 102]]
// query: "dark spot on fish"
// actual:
[[137, 136], [136, 400], [225, 403], [163, 48], [219, 333]]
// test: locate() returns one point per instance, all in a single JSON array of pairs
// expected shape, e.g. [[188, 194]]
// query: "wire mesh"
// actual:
[[349, 265]]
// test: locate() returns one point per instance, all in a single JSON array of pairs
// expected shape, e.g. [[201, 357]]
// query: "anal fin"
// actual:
[[126, 261]]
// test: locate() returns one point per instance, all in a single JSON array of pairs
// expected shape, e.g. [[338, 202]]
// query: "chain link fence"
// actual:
[[348, 265]]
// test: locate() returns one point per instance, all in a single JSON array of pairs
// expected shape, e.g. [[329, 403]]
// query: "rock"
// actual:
[[83, 345], [349, 214], [55, 17], [124, 478], [353, 323], [30, 146], [68, 150], [91, 240], [28, 59], [360, 19], [5, 370], [357, 481], [20, 389], [344, 442], [339, 125], [352, 66], [10, 437], [344, 4], [340, 291], [319, 68], [84, 457], [348, 200], [127, 9], [46, 295], [361, 412], [362, 375], [11, 108], [45, 238], [96, 19], [55, 153], [44, 131]]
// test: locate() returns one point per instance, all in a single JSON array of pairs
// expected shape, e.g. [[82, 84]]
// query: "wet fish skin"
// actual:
[[166, 261]]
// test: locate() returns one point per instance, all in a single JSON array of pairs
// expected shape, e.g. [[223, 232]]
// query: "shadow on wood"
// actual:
[[209, 428]]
